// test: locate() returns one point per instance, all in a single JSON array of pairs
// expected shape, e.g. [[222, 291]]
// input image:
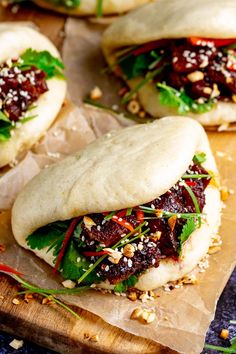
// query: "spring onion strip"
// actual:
[[99, 11], [149, 77], [232, 322], [220, 349], [167, 214], [196, 176], [195, 201], [110, 215]]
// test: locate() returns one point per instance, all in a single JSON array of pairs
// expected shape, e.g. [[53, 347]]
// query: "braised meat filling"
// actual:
[[160, 242], [203, 70], [19, 89]]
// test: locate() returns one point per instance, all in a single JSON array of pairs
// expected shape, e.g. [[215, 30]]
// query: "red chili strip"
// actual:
[[122, 222], [140, 215], [6, 269], [68, 235], [190, 183], [94, 254], [218, 42], [121, 213]]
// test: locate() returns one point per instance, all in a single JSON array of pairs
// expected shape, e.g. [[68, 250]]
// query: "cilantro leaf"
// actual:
[[134, 66], [74, 265], [187, 229], [50, 236], [199, 158], [44, 61], [5, 127], [180, 100], [123, 286]]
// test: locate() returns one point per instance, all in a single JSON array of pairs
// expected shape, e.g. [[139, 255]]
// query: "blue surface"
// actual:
[[226, 311]]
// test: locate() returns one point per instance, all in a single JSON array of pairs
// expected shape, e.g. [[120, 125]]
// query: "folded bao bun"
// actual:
[[174, 19], [14, 40], [123, 169], [89, 7]]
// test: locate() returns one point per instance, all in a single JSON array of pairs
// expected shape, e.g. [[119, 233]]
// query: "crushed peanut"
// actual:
[[196, 76], [133, 106], [95, 93], [46, 301], [69, 284], [88, 222], [94, 338], [214, 249], [128, 251], [16, 301], [224, 193], [144, 316], [207, 90], [16, 344], [224, 333], [172, 222], [132, 296], [115, 256]]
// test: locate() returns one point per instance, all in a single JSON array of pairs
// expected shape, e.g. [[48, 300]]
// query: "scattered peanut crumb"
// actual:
[[214, 249], [46, 301], [144, 316], [94, 338], [224, 334], [69, 284], [224, 193], [133, 106], [95, 93], [132, 296], [16, 344], [223, 127], [16, 301]]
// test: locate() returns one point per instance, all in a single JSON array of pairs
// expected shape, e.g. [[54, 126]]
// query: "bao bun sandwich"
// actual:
[[179, 57], [136, 208], [91, 7], [32, 88]]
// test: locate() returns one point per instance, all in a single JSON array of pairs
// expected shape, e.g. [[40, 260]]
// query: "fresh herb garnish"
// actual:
[[171, 97], [166, 214], [99, 11], [230, 350], [42, 60], [199, 158], [149, 77], [194, 199], [49, 236], [187, 230], [196, 176], [123, 286], [5, 127]]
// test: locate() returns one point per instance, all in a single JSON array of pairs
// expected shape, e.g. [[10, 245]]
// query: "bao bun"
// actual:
[[174, 19], [14, 40], [123, 169]]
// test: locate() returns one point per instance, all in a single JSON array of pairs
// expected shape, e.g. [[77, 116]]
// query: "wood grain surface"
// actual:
[[49, 325]]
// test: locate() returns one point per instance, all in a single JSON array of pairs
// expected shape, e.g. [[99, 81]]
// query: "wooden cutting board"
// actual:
[[51, 326]]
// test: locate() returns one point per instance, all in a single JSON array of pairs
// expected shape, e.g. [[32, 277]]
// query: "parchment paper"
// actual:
[[183, 315]]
